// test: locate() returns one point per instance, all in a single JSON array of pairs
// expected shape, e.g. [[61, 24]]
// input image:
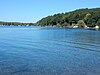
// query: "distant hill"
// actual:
[[2, 23], [80, 17]]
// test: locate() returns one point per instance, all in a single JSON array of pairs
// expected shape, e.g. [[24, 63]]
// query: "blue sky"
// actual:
[[34, 10]]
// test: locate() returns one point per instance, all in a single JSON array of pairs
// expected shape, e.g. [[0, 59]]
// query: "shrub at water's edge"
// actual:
[[84, 18]]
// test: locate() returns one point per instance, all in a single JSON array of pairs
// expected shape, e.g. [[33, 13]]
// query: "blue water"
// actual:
[[49, 51]]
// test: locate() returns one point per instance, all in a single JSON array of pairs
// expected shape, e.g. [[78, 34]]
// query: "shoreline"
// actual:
[[71, 27]]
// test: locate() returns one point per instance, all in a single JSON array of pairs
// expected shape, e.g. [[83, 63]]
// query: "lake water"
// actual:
[[49, 51]]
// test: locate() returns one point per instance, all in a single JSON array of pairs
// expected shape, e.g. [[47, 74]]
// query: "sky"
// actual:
[[34, 10]]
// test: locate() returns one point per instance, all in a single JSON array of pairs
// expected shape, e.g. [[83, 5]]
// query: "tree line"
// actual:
[[80, 17], [89, 17], [15, 24]]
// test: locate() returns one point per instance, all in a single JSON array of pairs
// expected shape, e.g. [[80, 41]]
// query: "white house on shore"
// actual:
[[75, 26], [96, 27]]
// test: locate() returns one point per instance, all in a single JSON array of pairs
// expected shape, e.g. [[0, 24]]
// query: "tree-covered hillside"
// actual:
[[80, 17]]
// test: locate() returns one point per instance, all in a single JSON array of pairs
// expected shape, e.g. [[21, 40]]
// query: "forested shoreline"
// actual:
[[80, 18], [2, 23]]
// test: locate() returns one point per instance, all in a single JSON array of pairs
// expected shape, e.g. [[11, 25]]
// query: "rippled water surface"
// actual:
[[49, 51]]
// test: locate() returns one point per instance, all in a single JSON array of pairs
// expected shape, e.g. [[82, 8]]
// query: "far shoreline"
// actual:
[[67, 27]]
